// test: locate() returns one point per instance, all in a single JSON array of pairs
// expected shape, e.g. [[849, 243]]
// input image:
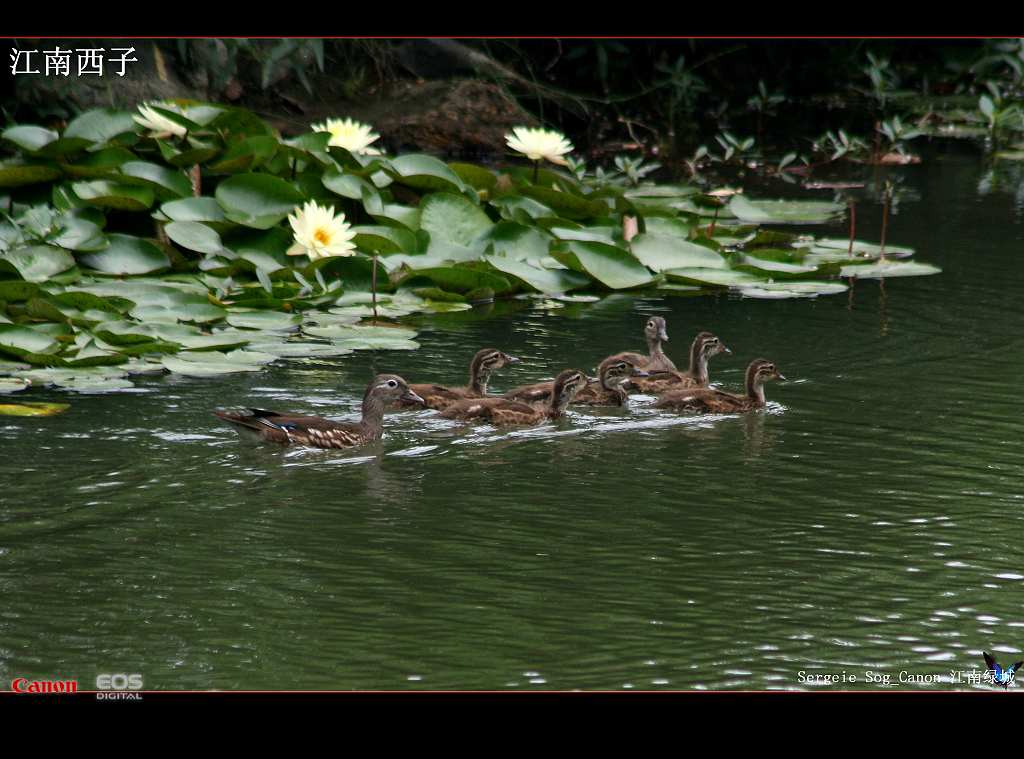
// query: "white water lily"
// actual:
[[536, 144], [159, 125], [319, 233], [352, 135]]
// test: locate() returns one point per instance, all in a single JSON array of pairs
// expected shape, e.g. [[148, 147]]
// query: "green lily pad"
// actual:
[[779, 290], [357, 332], [16, 172], [29, 138], [609, 265], [116, 196], [659, 252], [125, 255], [193, 235], [33, 409], [424, 172], [100, 125], [713, 277], [300, 349], [783, 211], [211, 364], [540, 278], [37, 263], [13, 385], [165, 182], [202, 209], [254, 318], [260, 201], [885, 269], [453, 218]]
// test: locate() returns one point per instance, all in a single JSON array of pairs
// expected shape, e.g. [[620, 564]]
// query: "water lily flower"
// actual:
[[159, 125], [537, 144], [319, 233], [352, 135]]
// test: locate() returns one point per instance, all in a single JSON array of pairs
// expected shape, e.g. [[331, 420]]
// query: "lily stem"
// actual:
[[374, 286], [536, 170]]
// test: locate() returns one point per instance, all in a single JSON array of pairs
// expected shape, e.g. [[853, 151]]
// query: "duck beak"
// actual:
[[663, 335], [411, 397], [640, 373], [780, 375], [726, 350], [511, 359]]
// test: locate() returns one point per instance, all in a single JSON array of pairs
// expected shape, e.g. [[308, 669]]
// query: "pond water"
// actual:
[[869, 520]]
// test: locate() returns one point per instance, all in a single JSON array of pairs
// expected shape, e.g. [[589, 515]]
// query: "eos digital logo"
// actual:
[[118, 687]]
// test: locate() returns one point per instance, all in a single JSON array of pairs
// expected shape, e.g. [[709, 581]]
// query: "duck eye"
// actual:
[[392, 384]]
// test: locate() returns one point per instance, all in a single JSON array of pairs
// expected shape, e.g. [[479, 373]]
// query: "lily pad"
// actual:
[[713, 277], [538, 277], [609, 265], [886, 269], [257, 200], [33, 409], [424, 172], [254, 318], [37, 263], [117, 196], [127, 254], [192, 235], [13, 385], [783, 211], [780, 290], [453, 218], [659, 252]]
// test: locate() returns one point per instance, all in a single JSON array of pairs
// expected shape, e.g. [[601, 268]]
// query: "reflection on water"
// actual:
[[868, 519]]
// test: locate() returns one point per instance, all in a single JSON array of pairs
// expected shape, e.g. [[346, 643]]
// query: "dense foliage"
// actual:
[[160, 242]]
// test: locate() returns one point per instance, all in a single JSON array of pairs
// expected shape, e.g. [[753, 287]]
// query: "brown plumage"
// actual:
[[704, 346], [317, 432], [606, 390], [705, 400], [502, 411], [655, 332], [483, 364]]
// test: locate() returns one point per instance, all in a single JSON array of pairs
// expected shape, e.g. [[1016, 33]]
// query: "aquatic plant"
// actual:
[[131, 247]]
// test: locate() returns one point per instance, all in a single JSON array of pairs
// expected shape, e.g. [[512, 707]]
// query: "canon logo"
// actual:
[[24, 685]]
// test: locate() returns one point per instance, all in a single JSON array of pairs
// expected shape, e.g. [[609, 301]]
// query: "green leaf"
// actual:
[[114, 195], [424, 172], [887, 268], [783, 211], [459, 279], [16, 173], [384, 239], [452, 218], [37, 263], [713, 277], [33, 409], [192, 235], [257, 200], [127, 255], [779, 290], [100, 125], [530, 272], [660, 253], [566, 204], [29, 138], [611, 266], [166, 183], [201, 209]]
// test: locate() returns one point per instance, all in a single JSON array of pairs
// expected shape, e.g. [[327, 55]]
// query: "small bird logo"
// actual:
[[1001, 676]]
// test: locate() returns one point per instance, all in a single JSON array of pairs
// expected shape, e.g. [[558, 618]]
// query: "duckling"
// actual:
[[655, 333], [704, 346], [315, 431], [706, 400], [484, 362], [605, 390], [502, 411]]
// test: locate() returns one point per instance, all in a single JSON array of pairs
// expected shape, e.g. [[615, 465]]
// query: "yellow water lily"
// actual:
[[159, 126], [537, 144], [352, 135], [319, 233]]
